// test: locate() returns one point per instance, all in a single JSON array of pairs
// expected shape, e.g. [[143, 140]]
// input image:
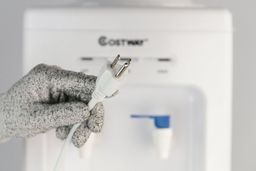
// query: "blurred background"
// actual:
[[244, 117]]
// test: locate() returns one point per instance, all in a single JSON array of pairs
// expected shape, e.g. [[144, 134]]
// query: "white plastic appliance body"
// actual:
[[182, 66]]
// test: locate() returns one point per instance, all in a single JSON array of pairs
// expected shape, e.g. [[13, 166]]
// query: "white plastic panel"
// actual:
[[132, 140]]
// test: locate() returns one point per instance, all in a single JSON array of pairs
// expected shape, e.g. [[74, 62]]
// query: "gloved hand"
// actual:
[[49, 97]]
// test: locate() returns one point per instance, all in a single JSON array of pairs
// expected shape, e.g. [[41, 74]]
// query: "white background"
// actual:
[[244, 123]]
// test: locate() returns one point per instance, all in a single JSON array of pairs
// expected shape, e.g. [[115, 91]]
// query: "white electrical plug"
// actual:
[[108, 83], [110, 79]]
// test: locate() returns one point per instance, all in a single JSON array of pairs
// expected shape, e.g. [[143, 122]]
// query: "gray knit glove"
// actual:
[[49, 97]]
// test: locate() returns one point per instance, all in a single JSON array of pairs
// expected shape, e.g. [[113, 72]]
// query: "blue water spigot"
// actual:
[[160, 121]]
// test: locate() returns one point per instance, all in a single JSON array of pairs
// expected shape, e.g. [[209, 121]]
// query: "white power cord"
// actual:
[[108, 83]]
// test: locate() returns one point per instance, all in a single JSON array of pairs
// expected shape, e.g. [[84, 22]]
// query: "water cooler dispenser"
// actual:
[[173, 114]]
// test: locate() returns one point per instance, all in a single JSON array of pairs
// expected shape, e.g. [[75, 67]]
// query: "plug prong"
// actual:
[[115, 61], [123, 68]]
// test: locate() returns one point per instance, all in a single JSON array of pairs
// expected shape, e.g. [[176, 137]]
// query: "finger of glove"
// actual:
[[48, 116], [81, 135], [72, 84], [96, 119], [94, 123], [63, 131]]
